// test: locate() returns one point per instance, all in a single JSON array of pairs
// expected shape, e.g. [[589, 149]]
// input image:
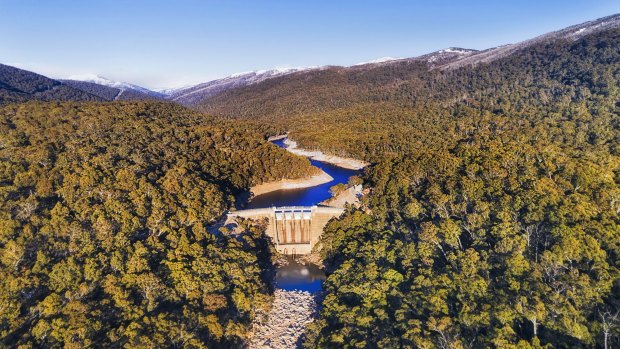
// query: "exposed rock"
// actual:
[[285, 323], [350, 196]]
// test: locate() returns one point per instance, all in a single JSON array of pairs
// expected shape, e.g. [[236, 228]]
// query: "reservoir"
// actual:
[[303, 196]]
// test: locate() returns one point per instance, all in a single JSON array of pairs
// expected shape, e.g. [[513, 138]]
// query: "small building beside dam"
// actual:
[[294, 229]]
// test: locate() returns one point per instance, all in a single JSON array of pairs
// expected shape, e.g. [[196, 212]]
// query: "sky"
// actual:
[[164, 44]]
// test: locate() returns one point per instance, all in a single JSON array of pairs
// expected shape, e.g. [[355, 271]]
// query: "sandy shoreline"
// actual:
[[276, 138], [307, 182], [348, 163]]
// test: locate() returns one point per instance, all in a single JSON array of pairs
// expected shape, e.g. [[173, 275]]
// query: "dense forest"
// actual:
[[104, 210], [494, 214], [492, 219]]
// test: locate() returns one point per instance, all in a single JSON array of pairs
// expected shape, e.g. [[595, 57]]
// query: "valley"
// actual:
[[298, 282], [462, 198]]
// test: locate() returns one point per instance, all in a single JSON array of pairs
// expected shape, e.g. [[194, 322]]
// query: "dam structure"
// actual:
[[294, 229]]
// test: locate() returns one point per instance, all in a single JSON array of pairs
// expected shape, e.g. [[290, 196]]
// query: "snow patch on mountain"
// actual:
[[170, 91], [378, 60], [457, 50], [446, 55], [268, 72]]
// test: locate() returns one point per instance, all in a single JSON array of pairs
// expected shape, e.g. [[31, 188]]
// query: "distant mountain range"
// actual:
[[19, 85], [190, 96], [337, 87], [573, 33]]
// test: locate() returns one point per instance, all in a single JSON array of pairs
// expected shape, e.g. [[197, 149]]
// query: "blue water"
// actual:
[[304, 196], [300, 277]]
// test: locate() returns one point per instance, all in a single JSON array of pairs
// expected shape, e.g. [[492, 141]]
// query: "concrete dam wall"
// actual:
[[294, 229]]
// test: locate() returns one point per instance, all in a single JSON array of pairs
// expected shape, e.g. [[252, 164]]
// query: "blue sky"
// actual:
[[160, 44]]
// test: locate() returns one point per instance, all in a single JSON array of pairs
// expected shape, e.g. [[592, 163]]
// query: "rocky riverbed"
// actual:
[[285, 323]]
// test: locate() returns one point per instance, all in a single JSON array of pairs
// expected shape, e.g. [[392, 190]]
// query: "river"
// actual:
[[296, 275], [297, 283]]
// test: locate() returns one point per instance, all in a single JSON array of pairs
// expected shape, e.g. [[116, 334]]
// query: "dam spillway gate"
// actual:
[[293, 226], [294, 229]]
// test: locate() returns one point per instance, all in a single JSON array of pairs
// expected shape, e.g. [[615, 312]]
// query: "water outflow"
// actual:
[[297, 276], [303, 196]]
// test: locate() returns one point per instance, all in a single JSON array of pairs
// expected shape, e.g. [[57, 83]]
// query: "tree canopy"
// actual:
[[493, 219], [104, 213]]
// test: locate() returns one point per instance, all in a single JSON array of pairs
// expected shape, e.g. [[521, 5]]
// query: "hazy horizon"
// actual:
[[159, 44]]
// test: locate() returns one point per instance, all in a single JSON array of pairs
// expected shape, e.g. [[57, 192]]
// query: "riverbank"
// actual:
[[348, 163], [285, 323], [350, 196], [311, 181]]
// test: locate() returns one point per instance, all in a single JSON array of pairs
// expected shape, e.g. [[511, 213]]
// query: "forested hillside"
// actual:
[[493, 218], [103, 215], [399, 82], [494, 214], [352, 111], [18, 85]]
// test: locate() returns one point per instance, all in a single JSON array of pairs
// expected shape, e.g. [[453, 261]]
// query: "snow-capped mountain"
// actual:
[[574, 32], [19, 85], [191, 95], [448, 58], [123, 86], [110, 90]]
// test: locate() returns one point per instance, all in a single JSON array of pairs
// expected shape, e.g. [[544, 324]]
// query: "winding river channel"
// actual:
[[303, 196], [295, 275]]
